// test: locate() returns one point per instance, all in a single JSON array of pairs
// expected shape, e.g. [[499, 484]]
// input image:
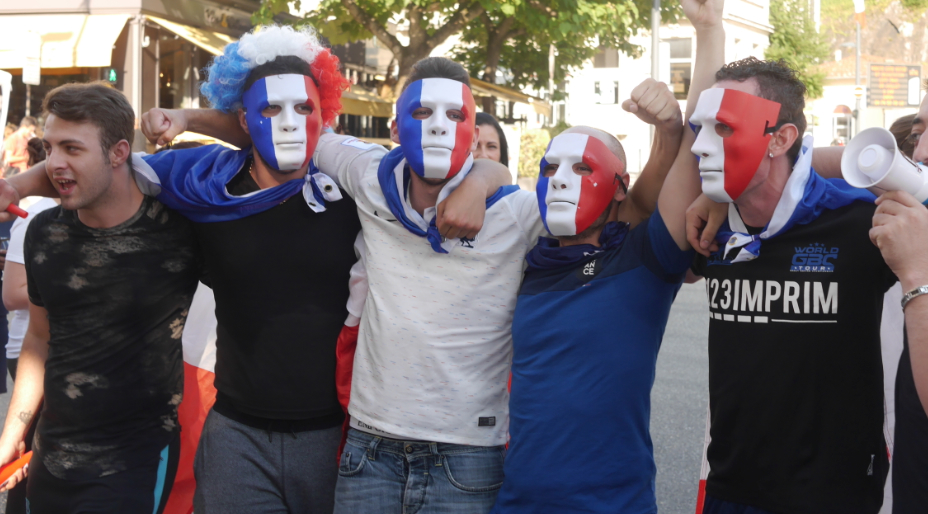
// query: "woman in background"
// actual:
[[491, 143]]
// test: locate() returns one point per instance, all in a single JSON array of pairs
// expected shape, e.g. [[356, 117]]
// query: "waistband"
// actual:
[[225, 407]]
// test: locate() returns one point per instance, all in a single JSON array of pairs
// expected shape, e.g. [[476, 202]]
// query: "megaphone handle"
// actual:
[[15, 209]]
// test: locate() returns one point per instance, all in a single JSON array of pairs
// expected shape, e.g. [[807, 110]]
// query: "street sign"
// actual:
[[32, 65], [894, 85]]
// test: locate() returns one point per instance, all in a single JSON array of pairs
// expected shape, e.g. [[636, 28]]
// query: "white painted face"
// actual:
[[563, 191], [709, 145]]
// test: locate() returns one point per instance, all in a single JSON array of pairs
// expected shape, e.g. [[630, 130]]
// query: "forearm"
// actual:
[[647, 189], [489, 175], [29, 390], [33, 182], [217, 124], [916, 326], [710, 57]]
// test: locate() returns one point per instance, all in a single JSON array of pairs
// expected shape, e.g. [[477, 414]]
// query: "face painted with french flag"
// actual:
[[733, 129], [284, 119], [578, 181], [435, 120]]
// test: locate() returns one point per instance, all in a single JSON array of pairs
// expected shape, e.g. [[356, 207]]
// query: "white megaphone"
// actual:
[[872, 160]]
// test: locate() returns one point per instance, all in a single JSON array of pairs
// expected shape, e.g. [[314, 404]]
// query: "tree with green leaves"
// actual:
[[516, 36], [426, 23], [796, 41]]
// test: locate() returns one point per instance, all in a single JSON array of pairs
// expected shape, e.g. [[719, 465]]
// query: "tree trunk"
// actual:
[[497, 34]]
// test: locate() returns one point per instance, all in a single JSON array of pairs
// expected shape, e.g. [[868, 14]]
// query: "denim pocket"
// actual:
[[352, 461], [476, 471]]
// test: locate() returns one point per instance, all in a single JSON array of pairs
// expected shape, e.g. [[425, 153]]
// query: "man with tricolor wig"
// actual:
[[795, 296]]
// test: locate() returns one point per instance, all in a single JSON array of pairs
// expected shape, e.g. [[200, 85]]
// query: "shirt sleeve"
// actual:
[[18, 230], [664, 249], [28, 248], [350, 161], [524, 205]]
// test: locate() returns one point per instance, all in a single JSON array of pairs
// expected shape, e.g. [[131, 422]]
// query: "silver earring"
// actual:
[[771, 155]]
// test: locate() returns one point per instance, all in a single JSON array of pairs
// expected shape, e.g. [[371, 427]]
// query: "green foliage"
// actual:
[[796, 41], [576, 28], [532, 148]]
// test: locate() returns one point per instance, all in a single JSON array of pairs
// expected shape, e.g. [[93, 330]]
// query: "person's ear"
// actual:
[[621, 192], [119, 153], [782, 140], [242, 122], [476, 137], [394, 133]]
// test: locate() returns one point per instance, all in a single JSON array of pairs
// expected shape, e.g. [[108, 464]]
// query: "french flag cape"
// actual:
[[199, 341], [804, 198]]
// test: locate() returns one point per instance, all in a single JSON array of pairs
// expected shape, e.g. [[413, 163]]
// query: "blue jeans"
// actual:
[[387, 476]]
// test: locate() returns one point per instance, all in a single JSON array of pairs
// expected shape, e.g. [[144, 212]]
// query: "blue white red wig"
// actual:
[[227, 73]]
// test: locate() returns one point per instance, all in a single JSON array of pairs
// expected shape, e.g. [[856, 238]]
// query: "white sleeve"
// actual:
[[357, 284], [524, 205], [347, 159], [18, 231]]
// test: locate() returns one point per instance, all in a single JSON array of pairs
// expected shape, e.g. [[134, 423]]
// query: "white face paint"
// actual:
[[709, 146], [564, 187]]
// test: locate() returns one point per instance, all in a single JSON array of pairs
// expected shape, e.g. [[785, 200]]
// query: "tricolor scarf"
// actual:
[[393, 175], [548, 254], [193, 182], [804, 198]]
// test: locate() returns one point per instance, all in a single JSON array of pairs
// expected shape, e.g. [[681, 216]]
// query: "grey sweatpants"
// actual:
[[244, 470]]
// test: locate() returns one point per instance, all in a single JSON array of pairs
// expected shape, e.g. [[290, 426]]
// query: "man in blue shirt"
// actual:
[[581, 375]]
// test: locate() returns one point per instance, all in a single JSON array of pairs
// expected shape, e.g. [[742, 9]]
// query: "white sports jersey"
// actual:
[[434, 348]]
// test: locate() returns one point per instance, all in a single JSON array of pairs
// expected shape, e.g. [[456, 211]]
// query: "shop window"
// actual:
[[606, 92], [681, 66], [606, 58]]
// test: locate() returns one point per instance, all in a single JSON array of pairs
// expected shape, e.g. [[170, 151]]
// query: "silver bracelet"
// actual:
[[918, 291]]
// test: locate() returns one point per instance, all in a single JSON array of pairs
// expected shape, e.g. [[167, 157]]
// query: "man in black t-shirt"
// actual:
[[795, 299], [111, 274]]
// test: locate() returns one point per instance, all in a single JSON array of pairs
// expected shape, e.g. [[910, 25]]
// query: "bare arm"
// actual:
[[826, 161], [15, 295], [654, 104], [161, 126], [30, 380], [900, 227], [682, 185], [32, 182]]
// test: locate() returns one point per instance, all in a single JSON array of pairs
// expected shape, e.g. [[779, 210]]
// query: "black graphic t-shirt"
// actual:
[[910, 453], [117, 300], [795, 372]]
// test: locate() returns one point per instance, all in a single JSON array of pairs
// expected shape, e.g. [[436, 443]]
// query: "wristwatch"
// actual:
[[918, 291]]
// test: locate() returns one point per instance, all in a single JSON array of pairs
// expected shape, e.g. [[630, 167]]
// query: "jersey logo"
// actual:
[[815, 258], [466, 242], [486, 422]]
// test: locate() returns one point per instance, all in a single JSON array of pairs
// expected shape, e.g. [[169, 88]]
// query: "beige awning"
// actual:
[[212, 42], [68, 40], [361, 103], [487, 89]]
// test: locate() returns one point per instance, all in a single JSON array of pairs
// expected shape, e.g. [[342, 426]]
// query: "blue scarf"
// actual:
[[805, 197], [396, 197], [193, 182], [548, 254]]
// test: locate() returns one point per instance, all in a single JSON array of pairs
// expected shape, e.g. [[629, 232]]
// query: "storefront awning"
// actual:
[[486, 89], [362, 103], [68, 40], [212, 42]]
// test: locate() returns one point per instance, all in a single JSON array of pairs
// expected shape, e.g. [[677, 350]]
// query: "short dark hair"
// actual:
[[36, 151], [28, 121], [901, 129], [437, 68], [484, 118], [97, 103], [776, 81], [282, 65]]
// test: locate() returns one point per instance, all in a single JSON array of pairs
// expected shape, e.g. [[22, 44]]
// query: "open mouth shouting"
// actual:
[[65, 186]]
